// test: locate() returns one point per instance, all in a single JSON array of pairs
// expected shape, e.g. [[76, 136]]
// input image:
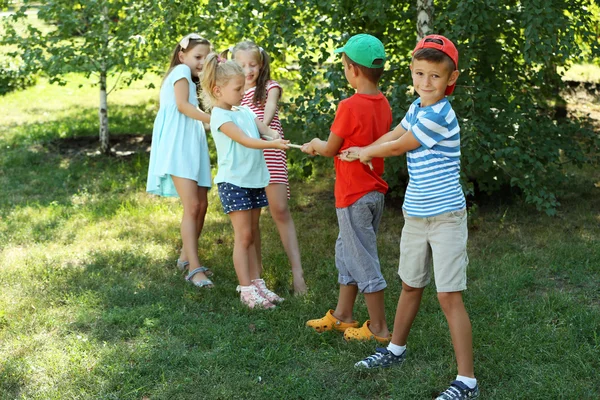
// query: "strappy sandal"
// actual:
[[364, 333], [251, 298], [329, 322], [183, 266], [202, 283], [265, 292]]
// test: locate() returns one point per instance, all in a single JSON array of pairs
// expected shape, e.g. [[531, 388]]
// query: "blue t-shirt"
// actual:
[[434, 167], [238, 164]]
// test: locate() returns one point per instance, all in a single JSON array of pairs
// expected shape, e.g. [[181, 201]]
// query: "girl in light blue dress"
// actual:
[[179, 159]]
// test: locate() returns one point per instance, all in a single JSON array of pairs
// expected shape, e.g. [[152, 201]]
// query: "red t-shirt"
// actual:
[[360, 120]]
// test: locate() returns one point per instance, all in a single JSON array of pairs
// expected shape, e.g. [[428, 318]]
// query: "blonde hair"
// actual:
[[217, 72], [264, 74]]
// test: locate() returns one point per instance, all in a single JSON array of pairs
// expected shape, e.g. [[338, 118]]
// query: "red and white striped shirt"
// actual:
[[276, 159]]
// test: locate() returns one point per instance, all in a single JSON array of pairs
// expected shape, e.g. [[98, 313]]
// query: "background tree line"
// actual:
[[507, 97]]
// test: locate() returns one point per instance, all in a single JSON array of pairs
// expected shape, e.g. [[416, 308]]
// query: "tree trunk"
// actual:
[[424, 18], [103, 113]]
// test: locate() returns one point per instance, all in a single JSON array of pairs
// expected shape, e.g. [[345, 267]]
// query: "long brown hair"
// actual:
[[264, 74], [175, 61]]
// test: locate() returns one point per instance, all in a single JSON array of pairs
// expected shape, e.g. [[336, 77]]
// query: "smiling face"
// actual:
[[231, 93], [195, 57], [250, 63], [430, 80]]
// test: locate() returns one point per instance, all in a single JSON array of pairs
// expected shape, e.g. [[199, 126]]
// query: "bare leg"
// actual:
[[376, 307], [460, 331], [254, 268], [203, 200], [188, 192], [408, 306], [345, 305], [243, 245], [278, 206]]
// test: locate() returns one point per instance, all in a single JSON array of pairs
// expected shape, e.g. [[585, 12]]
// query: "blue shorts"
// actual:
[[356, 247], [235, 198]]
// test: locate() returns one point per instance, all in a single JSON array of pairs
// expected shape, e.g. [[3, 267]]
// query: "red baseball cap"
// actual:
[[447, 47]]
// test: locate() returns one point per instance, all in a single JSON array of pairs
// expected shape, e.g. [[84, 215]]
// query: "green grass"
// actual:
[[92, 306]]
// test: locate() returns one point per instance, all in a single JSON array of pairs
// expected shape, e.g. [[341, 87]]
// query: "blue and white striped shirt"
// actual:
[[434, 167]]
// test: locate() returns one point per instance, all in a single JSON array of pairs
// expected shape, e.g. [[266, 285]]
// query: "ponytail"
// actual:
[[217, 72]]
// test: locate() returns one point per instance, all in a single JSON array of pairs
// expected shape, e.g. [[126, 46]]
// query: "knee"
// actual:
[[280, 211], [411, 290], [245, 238], [202, 207], [193, 209], [450, 301]]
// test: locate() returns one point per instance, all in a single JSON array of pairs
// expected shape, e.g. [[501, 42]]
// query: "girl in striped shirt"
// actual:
[[261, 96]]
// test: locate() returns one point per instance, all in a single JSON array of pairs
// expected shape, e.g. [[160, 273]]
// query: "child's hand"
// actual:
[[350, 154], [280, 144], [365, 158], [308, 149], [274, 134]]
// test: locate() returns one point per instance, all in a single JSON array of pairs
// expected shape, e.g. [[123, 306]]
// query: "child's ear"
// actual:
[[180, 56], [453, 77], [216, 91]]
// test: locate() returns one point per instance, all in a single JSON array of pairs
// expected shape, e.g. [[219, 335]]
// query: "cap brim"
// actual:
[[340, 50]]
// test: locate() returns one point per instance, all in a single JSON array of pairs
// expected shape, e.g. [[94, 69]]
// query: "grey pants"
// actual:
[[356, 247]]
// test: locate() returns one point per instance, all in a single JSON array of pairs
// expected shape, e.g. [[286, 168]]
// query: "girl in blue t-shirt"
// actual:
[[179, 159], [242, 175]]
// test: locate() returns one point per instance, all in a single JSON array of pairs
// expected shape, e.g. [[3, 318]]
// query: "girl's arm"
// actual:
[[397, 147], [266, 132], [273, 96], [182, 88], [327, 148], [235, 133]]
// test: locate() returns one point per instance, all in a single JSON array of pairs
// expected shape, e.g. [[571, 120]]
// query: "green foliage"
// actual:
[[14, 76], [510, 53]]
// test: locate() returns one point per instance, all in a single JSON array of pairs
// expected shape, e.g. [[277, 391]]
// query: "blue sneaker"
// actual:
[[459, 391], [382, 358]]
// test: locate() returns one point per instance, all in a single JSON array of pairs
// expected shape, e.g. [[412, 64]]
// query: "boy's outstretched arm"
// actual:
[[397, 147], [327, 148]]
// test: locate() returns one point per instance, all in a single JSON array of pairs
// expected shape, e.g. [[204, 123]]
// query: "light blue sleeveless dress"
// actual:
[[179, 144]]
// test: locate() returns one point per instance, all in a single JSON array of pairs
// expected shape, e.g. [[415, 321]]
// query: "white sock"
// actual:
[[470, 382], [395, 349], [241, 288]]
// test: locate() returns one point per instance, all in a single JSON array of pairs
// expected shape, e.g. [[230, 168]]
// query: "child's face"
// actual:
[[431, 79], [195, 57], [251, 66], [231, 93]]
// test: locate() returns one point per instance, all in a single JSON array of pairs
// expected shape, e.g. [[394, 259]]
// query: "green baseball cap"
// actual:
[[364, 49]]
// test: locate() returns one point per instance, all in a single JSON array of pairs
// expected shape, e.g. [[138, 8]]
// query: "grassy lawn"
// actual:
[[92, 306]]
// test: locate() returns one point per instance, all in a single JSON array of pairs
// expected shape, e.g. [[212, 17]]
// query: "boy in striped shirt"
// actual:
[[434, 211]]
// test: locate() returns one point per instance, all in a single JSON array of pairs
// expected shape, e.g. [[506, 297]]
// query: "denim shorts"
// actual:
[[235, 198], [356, 247], [441, 241]]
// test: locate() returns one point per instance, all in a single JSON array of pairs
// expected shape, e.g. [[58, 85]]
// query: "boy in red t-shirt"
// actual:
[[359, 190]]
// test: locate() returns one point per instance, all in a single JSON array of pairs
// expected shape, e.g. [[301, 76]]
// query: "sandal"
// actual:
[[202, 283], [329, 322], [364, 333], [183, 265]]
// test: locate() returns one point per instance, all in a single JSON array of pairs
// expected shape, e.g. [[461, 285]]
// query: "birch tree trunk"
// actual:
[[103, 114], [424, 18], [103, 110]]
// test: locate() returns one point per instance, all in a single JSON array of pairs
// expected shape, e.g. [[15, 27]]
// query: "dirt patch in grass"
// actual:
[[120, 145]]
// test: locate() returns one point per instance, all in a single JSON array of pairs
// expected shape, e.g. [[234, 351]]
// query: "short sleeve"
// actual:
[[181, 71], [273, 85], [218, 118], [344, 123], [431, 128]]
